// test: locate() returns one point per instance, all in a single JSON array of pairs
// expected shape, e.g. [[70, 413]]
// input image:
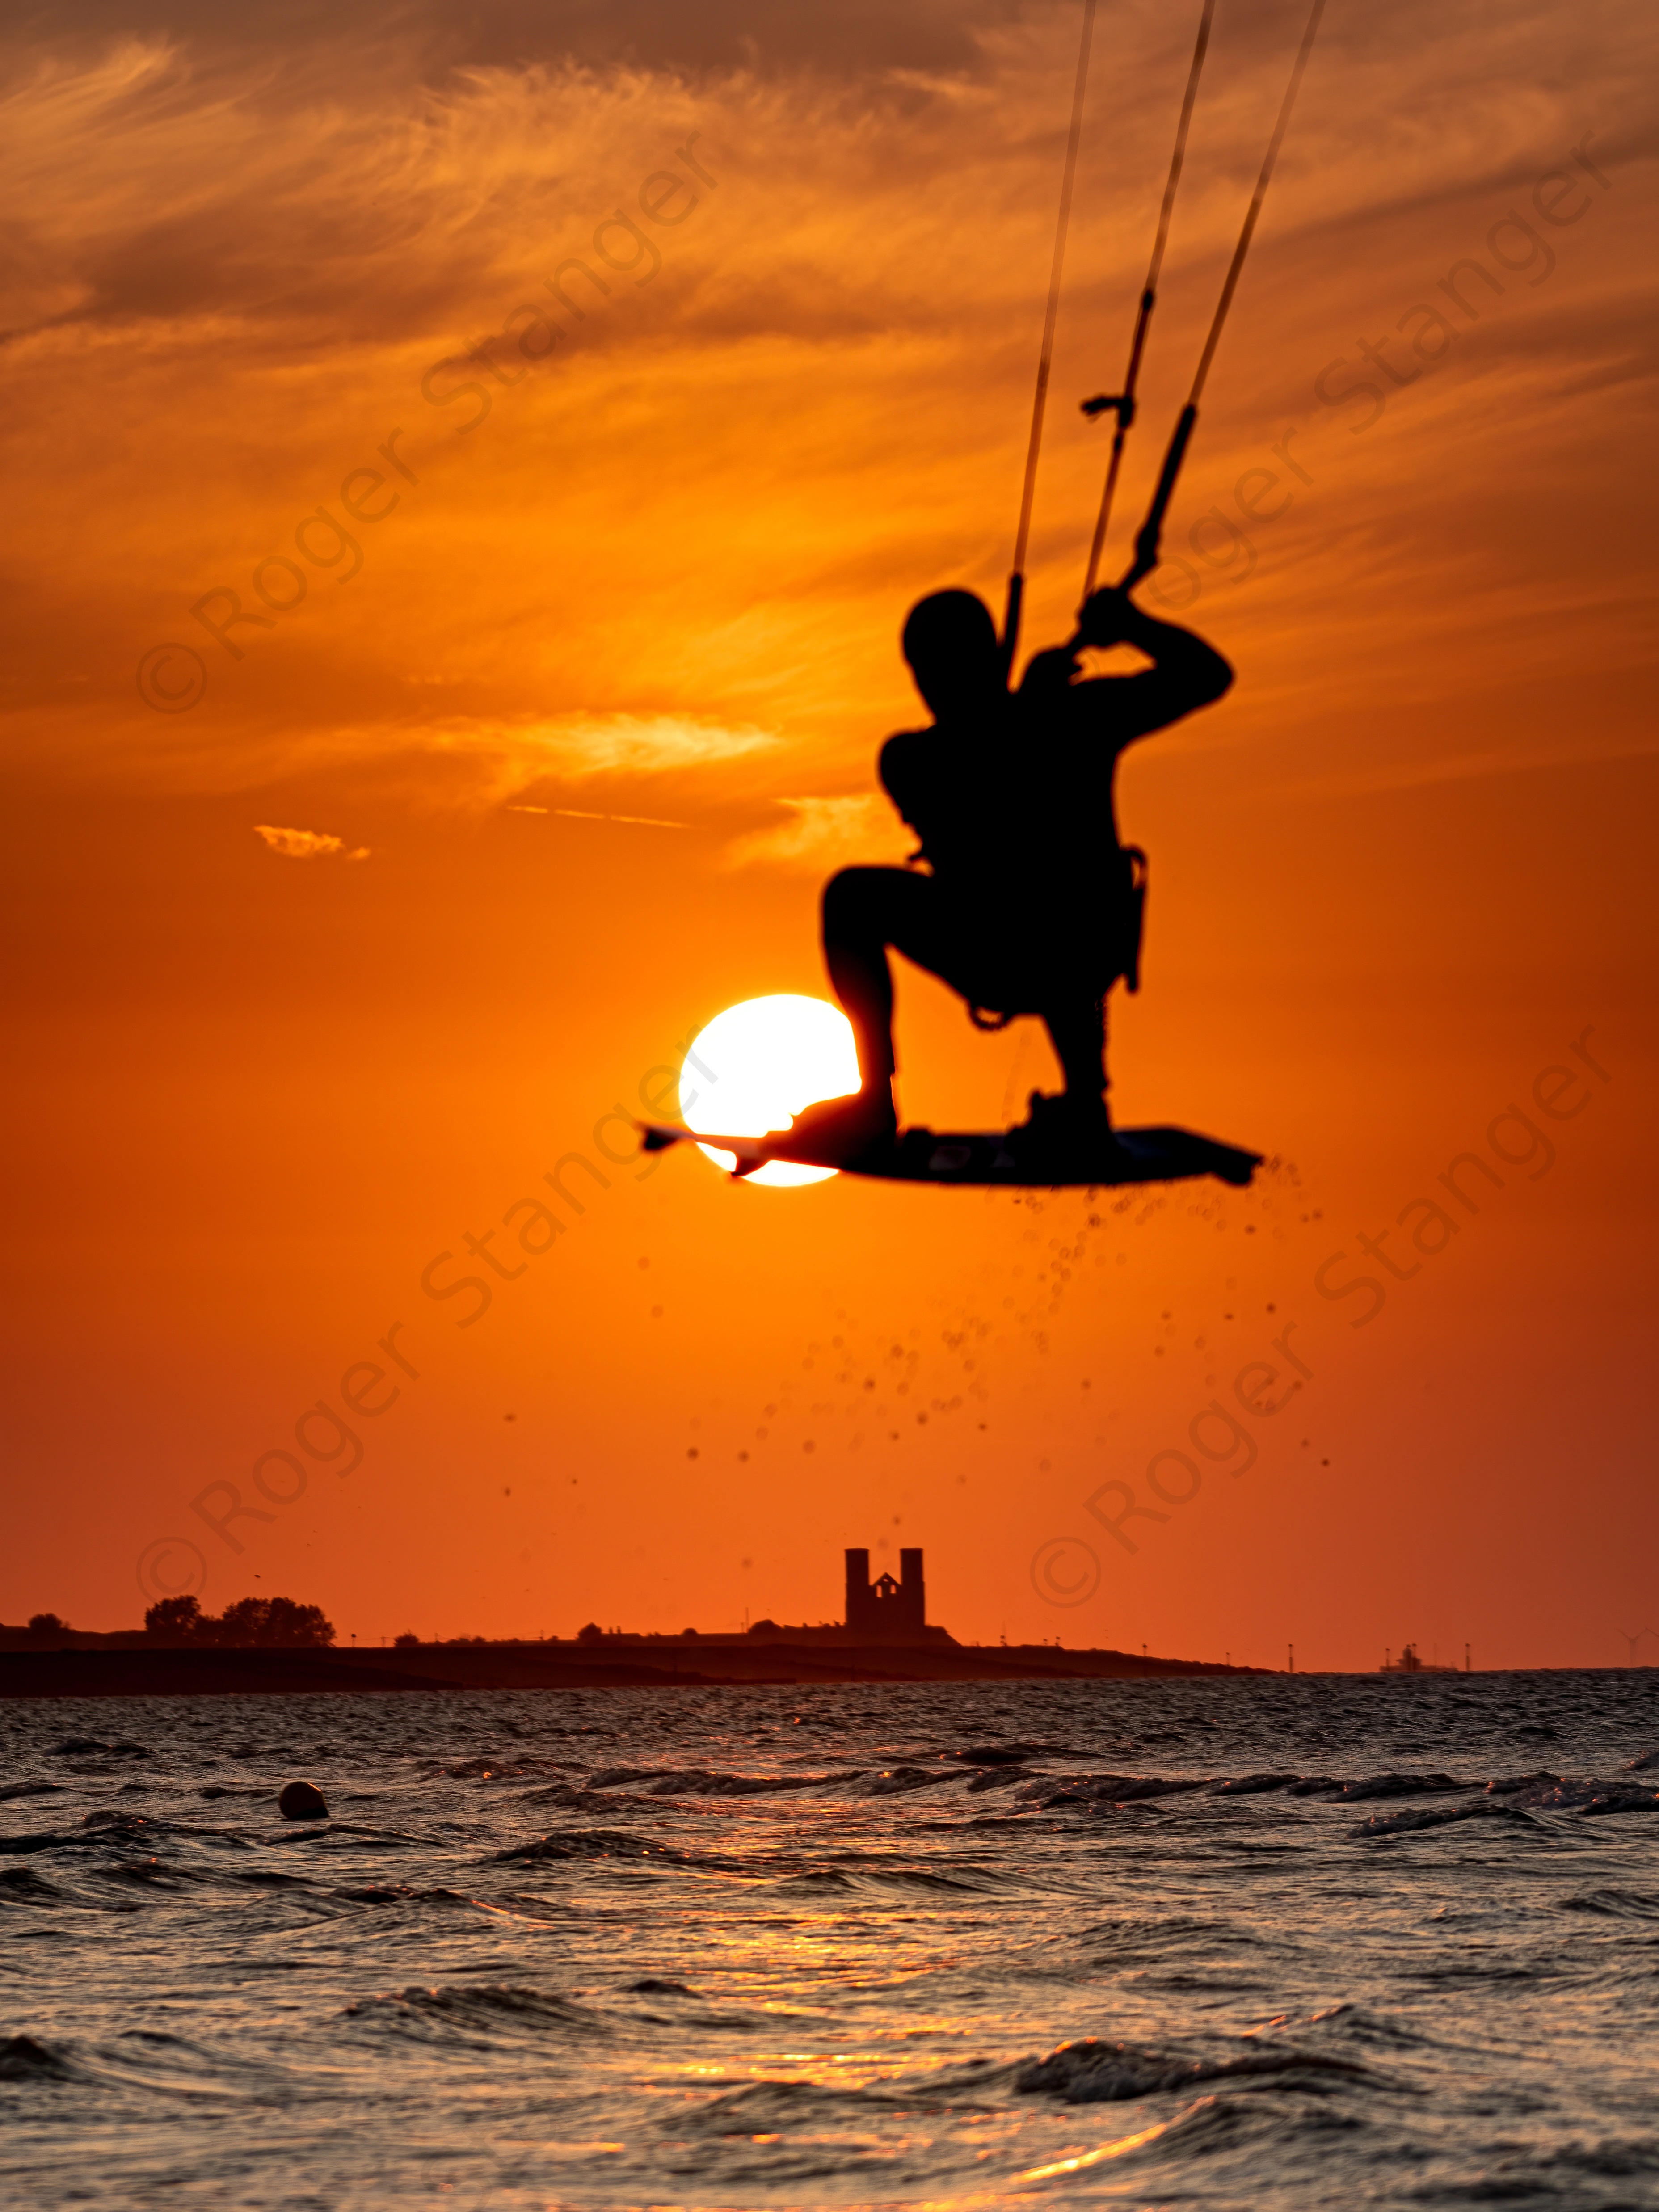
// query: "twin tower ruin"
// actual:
[[886, 1608]]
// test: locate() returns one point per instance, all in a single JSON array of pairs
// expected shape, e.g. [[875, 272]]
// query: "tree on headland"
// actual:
[[44, 1625], [275, 1621], [252, 1623], [175, 1620]]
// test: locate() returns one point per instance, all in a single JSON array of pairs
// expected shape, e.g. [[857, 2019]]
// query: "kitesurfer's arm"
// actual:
[[1112, 617], [1185, 673]]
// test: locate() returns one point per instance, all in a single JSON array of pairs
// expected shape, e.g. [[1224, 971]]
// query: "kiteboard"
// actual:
[[1018, 1159]]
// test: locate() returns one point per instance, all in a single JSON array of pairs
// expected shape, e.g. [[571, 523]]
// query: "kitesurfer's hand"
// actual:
[[1105, 619], [1053, 671]]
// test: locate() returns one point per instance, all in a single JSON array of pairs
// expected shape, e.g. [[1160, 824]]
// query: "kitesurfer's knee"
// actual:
[[840, 900], [856, 904]]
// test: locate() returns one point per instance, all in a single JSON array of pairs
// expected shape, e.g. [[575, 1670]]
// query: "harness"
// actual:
[[1122, 949]]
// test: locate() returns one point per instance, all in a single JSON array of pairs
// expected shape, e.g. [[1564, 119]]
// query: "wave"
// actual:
[[1204, 2115], [480, 2015], [565, 1794], [1616, 1904], [401, 1892], [1437, 1816], [598, 1844], [921, 1878], [498, 1770], [90, 1746], [323, 1834], [24, 2059], [897, 1781], [697, 1782], [151, 1874], [1540, 1791], [1397, 1785], [22, 1886], [706, 1781], [1554, 1794], [1095, 2072], [102, 1827], [1625, 1801], [1364, 2026], [1011, 1754], [150, 2061], [1104, 1789]]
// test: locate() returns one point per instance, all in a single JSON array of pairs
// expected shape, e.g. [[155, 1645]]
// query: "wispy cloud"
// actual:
[[307, 844], [821, 832], [581, 814], [635, 745], [513, 757]]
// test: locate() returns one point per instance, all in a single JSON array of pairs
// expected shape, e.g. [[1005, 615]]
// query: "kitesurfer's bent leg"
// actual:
[[865, 911]]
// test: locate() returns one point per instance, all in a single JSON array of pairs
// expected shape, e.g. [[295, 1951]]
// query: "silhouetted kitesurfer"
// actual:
[[1021, 896], [1028, 902]]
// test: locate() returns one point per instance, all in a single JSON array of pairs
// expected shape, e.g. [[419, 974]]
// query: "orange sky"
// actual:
[[1397, 874]]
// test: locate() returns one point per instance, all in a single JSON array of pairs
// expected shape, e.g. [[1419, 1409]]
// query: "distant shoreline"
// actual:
[[141, 1670]]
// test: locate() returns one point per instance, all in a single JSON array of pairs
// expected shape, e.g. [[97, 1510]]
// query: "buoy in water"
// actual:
[[302, 1800]]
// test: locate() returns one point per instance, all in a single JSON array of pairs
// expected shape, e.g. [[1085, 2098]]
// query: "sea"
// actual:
[[1253, 1942]]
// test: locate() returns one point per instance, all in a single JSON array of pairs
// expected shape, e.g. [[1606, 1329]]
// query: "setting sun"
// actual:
[[758, 1065]]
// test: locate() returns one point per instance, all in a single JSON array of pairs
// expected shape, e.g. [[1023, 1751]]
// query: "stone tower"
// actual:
[[885, 1607]]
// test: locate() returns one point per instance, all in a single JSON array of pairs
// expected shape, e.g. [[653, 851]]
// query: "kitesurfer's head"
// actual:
[[950, 643]]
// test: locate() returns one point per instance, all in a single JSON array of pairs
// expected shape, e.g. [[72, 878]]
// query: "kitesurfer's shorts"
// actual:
[[1013, 957]]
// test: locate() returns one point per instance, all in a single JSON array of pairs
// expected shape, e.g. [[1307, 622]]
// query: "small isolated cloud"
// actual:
[[631, 745], [306, 844], [822, 833]]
